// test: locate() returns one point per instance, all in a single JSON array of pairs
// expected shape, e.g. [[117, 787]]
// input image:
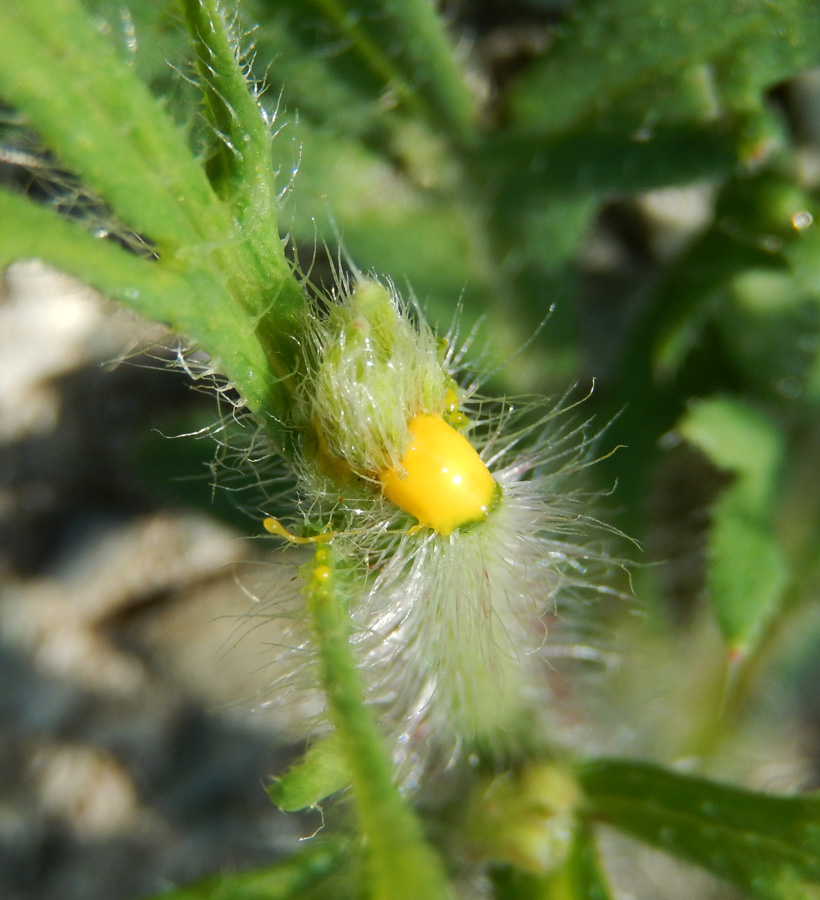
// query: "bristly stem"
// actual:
[[241, 172], [239, 165], [401, 865]]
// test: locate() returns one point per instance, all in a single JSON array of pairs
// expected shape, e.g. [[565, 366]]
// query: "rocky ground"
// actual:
[[131, 754]]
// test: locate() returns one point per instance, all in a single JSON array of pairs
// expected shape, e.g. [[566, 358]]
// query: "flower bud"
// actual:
[[374, 371]]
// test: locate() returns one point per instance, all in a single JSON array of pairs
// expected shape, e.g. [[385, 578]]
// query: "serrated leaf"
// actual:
[[741, 440], [768, 845], [747, 570]]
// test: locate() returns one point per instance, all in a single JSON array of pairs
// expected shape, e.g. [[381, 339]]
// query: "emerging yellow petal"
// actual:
[[441, 480]]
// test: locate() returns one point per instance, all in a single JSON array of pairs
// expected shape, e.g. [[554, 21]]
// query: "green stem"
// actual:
[[401, 864], [241, 171], [240, 167]]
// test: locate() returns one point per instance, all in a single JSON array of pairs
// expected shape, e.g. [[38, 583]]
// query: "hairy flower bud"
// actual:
[[373, 371], [459, 538]]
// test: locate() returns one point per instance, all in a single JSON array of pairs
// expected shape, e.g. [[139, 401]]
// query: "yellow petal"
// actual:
[[441, 480]]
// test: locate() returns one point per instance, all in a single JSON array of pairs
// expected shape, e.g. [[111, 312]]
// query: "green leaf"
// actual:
[[191, 303], [298, 877], [747, 573], [605, 159], [742, 440], [766, 321], [148, 37], [324, 86], [747, 569], [768, 845], [753, 233], [102, 121], [404, 47], [582, 875], [785, 45], [608, 49], [321, 772], [227, 283]]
